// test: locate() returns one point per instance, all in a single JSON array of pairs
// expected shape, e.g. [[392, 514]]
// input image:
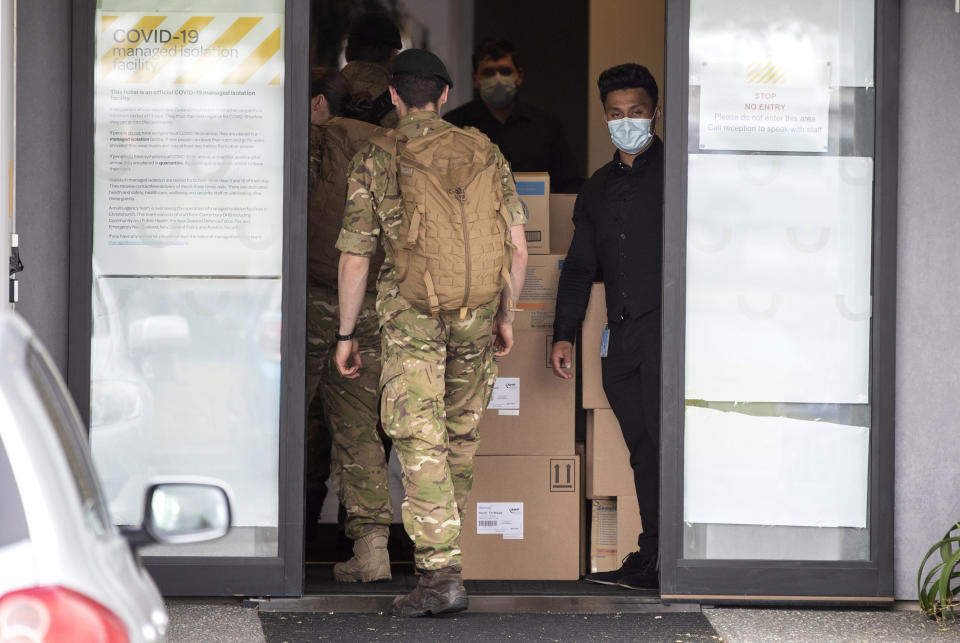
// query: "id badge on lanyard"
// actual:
[[605, 341]]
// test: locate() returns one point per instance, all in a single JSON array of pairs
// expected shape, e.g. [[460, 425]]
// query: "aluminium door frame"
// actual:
[[781, 581], [281, 575]]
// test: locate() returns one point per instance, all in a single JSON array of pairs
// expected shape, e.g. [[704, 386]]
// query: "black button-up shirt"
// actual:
[[618, 238], [531, 139]]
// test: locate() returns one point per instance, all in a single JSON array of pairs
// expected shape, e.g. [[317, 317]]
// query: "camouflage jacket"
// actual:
[[375, 206]]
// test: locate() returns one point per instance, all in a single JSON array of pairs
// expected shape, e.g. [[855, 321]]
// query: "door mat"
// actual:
[[286, 627]]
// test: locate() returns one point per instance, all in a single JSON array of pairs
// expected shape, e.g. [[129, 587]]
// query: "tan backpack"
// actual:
[[454, 239], [342, 138]]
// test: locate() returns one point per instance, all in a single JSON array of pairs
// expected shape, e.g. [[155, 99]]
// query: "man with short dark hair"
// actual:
[[372, 44], [618, 219], [530, 138], [343, 414], [443, 203]]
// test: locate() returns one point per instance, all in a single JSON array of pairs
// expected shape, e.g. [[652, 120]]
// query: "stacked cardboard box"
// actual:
[[591, 333], [609, 477], [614, 531], [524, 515], [533, 188]]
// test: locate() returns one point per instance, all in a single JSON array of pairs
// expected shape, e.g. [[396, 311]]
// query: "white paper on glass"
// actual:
[[504, 518], [745, 470], [506, 394], [764, 105], [838, 31], [188, 146], [778, 278]]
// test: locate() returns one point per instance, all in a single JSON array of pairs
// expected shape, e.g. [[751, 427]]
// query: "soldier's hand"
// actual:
[[503, 337], [347, 359], [562, 358]]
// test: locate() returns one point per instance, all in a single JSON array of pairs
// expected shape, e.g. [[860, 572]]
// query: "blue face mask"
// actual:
[[630, 134]]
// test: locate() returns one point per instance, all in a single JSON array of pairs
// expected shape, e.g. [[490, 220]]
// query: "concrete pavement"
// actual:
[[228, 621]]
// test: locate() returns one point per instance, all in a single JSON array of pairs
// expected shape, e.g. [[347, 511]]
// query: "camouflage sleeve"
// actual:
[[518, 215], [361, 225], [316, 154]]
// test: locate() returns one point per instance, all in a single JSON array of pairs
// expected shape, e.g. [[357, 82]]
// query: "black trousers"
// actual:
[[631, 380]]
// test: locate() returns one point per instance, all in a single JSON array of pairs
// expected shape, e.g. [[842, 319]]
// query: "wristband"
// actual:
[[343, 338]]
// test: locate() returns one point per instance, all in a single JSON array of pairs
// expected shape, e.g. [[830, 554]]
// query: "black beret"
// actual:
[[375, 29], [420, 62]]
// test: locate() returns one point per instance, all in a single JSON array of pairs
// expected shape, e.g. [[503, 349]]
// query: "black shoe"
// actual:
[[633, 563], [646, 578]]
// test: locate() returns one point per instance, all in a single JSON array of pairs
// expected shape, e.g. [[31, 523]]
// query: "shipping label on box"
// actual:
[[603, 535], [503, 518], [533, 188], [506, 396], [538, 299]]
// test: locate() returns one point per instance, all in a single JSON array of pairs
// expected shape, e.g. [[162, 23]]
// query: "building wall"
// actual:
[[621, 31], [928, 286], [43, 168]]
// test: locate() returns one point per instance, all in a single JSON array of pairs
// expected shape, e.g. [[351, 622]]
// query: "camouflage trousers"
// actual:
[[351, 408], [438, 375]]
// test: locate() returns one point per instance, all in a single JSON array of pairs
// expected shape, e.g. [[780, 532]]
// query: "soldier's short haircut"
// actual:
[[627, 76], [493, 49], [332, 85], [417, 91]]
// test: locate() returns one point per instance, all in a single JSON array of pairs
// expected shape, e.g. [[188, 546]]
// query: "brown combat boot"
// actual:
[[440, 591], [370, 562]]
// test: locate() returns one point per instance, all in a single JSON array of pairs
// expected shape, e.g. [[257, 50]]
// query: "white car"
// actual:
[[66, 572]]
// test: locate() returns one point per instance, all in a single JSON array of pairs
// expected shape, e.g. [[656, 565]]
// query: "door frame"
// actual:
[[190, 575], [781, 581]]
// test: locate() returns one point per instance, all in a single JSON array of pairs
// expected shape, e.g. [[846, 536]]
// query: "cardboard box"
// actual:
[[594, 322], [608, 460], [613, 534], [538, 300], [533, 188], [603, 535], [628, 525], [561, 222], [522, 519], [531, 411], [581, 450]]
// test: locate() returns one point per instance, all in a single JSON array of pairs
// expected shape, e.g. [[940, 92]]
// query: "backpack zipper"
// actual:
[[466, 251]]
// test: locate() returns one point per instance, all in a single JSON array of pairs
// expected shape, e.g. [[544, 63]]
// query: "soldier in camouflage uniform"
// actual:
[[438, 370], [372, 44], [350, 406]]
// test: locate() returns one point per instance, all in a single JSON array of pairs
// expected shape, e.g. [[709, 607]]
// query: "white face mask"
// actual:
[[497, 90], [630, 134]]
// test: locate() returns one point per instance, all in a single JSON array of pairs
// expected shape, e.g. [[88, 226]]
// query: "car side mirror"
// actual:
[[177, 513], [181, 511]]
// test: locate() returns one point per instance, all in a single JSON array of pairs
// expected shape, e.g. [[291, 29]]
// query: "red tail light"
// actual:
[[57, 615]]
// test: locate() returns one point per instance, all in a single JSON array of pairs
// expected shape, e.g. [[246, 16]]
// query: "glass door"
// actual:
[[195, 299], [775, 416]]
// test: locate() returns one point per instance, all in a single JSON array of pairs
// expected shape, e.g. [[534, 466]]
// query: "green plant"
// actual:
[[939, 590]]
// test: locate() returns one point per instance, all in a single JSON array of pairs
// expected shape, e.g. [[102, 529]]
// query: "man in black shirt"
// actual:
[[530, 138], [618, 219]]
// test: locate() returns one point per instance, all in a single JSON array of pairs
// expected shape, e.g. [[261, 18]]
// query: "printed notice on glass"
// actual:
[[188, 147], [504, 518], [506, 396], [765, 106]]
